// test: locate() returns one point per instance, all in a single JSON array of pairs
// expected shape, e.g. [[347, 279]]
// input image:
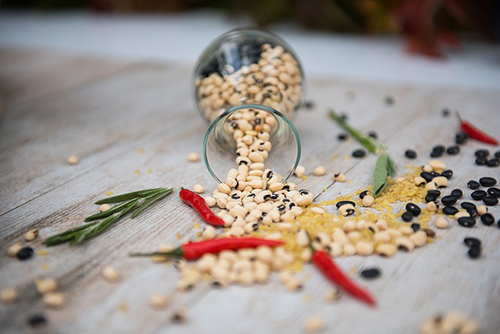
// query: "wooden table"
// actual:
[[132, 126]]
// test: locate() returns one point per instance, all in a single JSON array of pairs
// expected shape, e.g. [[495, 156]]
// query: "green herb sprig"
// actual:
[[384, 166], [135, 202]]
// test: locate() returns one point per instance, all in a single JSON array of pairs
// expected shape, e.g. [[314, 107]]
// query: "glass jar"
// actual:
[[248, 85]]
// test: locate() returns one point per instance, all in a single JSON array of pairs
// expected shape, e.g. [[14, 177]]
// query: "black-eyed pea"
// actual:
[[350, 226], [224, 188], [294, 285], [427, 168], [372, 227], [304, 200], [482, 209], [346, 210], [437, 165], [256, 183], [431, 206], [368, 201], [257, 166], [274, 236], [246, 278], [386, 250], [300, 171], [54, 300], [314, 324], [405, 244], [381, 224], [339, 177], [261, 276], [8, 296], [431, 186], [334, 249], [349, 249], [419, 238], [394, 233], [297, 211], [419, 181], [441, 222], [340, 237], [14, 249], [198, 188], [158, 301], [302, 238], [267, 220], [110, 274], [237, 231], [319, 171], [285, 227], [275, 215], [46, 285], [306, 255], [382, 237], [354, 235], [184, 285], [333, 295], [210, 201], [287, 217], [461, 214], [228, 219], [208, 232], [323, 238], [440, 181], [264, 254], [406, 230], [364, 248]]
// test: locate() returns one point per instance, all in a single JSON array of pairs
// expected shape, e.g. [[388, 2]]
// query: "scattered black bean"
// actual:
[[371, 273], [487, 181], [373, 134], [427, 176], [436, 154], [436, 193], [432, 195], [457, 193], [447, 173], [449, 200], [453, 150], [466, 221], [498, 223], [360, 153], [478, 194], [472, 212], [445, 112], [389, 100], [481, 161], [493, 163], [490, 201], [25, 253], [461, 138], [363, 194], [343, 136], [410, 154], [497, 154], [472, 242], [341, 203], [487, 219], [439, 148], [474, 252], [493, 192], [37, 320], [482, 153], [344, 116], [407, 216], [415, 227], [414, 209], [450, 210], [468, 205], [473, 184], [308, 104]]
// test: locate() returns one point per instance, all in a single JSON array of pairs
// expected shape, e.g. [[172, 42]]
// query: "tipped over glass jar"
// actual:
[[248, 85]]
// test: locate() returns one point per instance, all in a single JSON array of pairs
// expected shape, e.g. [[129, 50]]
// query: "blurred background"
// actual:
[[447, 42]]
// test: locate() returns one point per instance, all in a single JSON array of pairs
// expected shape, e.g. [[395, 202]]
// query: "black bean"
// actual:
[[439, 148], [410, 154], [436, 193], [407, 216], [453, 150], [494, 192], [450, 210], [447, 173], [481, 161], [457, 193], [344, 116], [308, 104], [478, 194], [493, 163], [414, 209], [430, 233], [490, 201], [25, 253], [373, 134], [468, 205], [497, 154], [37, 320], [432, 195], [389, 100], [445, 112], [487, 181], [472, 242], [482, 153], [467, 221], [474, 252], [472, 212], [498, 223], [342, 136], [436, 154], [448, 200], [487, 219], [360, 153], [415, 227], [427, 176], [473, 184], [370, 273], [363, 194], [461, 138], [341, 203]]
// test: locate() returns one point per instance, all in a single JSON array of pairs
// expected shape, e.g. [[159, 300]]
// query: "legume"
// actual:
[[110, 274], [24, 253], [8, 295], [411, 154], [54, 299], [370, 273], [73, 160], [193, 157], [360, 153], [37, 320]]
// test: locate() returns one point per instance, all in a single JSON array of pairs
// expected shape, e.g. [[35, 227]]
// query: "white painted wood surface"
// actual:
[[132, 125]]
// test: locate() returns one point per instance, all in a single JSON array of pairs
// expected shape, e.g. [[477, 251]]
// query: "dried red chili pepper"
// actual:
[[328, 267], [474, 133], [195, 250], [198, 203]]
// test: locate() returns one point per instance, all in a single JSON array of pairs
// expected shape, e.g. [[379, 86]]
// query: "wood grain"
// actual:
[[132, 125]]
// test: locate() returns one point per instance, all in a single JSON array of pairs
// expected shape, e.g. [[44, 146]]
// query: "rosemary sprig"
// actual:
[[135, 202], [384, 166]]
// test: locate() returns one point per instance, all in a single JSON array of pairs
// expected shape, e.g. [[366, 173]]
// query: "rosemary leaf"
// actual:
[[112, 210], [150, 202], [128, 196]]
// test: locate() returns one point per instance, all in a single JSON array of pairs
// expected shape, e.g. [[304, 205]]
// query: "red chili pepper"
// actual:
[[198, 203], [325, 263], [474, 133], [195, 250]]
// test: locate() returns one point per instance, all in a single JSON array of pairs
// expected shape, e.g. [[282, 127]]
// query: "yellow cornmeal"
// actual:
[[397, 192]]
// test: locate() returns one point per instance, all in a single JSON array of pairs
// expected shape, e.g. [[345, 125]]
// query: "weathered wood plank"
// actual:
[[63, 196]]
